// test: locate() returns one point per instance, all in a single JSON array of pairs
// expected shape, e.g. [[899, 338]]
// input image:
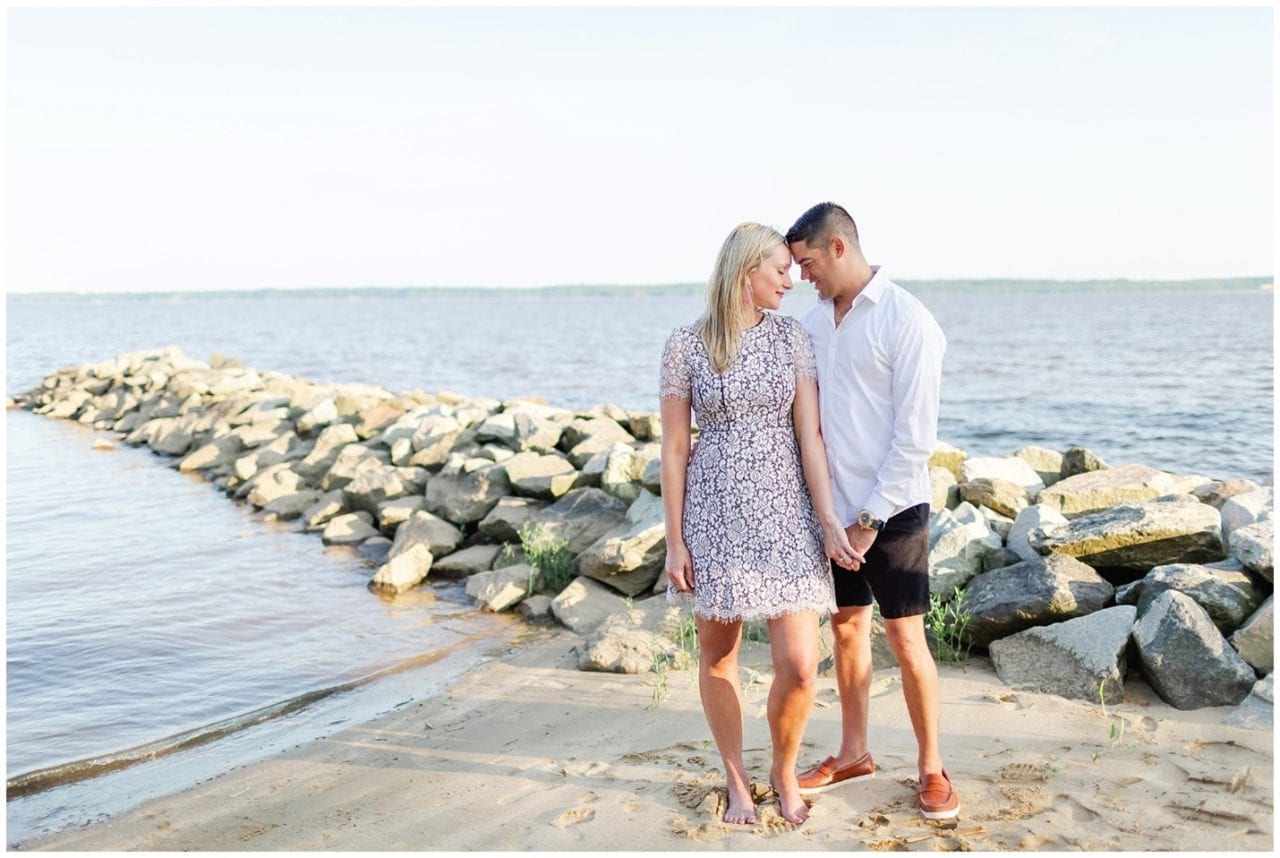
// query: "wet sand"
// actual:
[[529, 753]]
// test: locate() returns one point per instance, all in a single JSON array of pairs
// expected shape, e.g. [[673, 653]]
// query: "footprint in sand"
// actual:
[[574, 816], [1024, 773], [1079, 813]]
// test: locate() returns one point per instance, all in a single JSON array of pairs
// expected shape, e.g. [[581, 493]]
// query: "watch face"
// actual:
[[865, 519]]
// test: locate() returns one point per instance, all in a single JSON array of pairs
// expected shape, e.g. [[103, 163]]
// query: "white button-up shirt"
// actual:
[[879, 382]]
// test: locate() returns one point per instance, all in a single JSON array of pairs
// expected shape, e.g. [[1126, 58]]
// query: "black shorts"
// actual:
[[896, 572]]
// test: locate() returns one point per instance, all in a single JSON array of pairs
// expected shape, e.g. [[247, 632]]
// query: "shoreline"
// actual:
[[528, 752]]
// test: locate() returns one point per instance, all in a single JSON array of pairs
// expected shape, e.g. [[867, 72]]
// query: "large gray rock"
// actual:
[[352, 461], [466, 490], [1033, 593], [1002, 496], [404, 571], [437, 535], [1009, 468], [1036, 515], [1186, 659], [390, 514], [222, 451], [272, 483], [630, 557], [959, 540], [504, 521], [1246, 508], [1098, 490], [467, 561], [944, 488], [630, 641], [624, 469], [1255, 640], [1228, 596], [328, 445], [1254, 546], [521, 430], [287, 447], [499, 589], [584, 438], [651, 479], [374, 486], [321, 414], [1078, 460], [585, 604], [349, 529], [540, 476], [1082, 658], [1257, 712], [1046, 463], [581, 517], [433, 439], [292, 506], [1137, 536], [327, 506]]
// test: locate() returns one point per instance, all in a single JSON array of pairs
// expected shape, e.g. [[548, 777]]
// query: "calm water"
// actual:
[[142, 603]]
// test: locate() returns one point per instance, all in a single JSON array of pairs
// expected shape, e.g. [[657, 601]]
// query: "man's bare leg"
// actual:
[[919, 686], [793, 639]]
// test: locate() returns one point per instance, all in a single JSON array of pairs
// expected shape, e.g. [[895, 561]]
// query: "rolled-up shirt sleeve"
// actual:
[[917, 388]]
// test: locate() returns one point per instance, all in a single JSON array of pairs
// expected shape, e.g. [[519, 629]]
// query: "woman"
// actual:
[[743, 540]]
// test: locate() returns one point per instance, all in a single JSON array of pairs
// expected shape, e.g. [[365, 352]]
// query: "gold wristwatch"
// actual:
[[867, 521]]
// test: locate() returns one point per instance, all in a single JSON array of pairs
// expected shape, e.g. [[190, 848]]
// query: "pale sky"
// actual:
[[241, 148]]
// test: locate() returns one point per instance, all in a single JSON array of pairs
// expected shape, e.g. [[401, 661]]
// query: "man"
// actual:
[[879, 354]]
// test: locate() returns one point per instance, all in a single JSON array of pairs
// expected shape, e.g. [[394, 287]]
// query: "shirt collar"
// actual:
[[876, 286]]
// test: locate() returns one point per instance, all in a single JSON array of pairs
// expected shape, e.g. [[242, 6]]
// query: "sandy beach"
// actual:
[[529, 753]]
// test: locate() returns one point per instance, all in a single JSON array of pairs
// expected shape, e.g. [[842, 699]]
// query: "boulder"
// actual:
[[585, 604], [289, 507], [651, 479], [372, 419], [645, 426], [328, 445], [324, 509], [1137, 536], [1097, 490], [1000, 524], [1033, 593], [1046, 463], [630, 557], [540, 476], [630, 641], [222, 451], [274, 482], [321, 414], [390, 514], [374, 550], [1217, 492], [404, 571], [1010, 468], [499, 589], [1254, 546], [439, 536], [352, 461], [581, 517], [504, 521], [285, 448], [466, 490], [1257, 711], [1078, 460], [1255, 640], [374, 486], [1036, 515], [1228, 596], [948, 457], [1244, 509], [467, 562], [349, 529], [1185, 658], [946, 494], [433, 439], [1002, 496], [958, 541], [521, 430], [592, 436], [535, 608], [1082, 658], [624, 469]]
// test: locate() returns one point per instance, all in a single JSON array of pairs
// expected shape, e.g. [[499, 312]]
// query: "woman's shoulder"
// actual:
[[684, 333]]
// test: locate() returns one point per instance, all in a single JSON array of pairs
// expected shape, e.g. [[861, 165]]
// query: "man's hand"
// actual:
[[861, 538]]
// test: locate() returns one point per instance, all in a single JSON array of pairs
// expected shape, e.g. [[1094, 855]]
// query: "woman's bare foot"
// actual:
[[790, 803], [742, 810]]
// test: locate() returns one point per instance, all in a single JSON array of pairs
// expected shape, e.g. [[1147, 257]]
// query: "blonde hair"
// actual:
[[727, 311]]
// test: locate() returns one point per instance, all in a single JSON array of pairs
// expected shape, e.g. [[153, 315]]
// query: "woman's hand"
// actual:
[[835, 542], [679, 568]]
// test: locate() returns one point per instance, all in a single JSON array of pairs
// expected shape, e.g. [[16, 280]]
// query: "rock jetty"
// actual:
[[1076, 573]]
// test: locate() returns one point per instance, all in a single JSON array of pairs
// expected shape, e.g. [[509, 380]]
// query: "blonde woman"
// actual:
[[745, 539]]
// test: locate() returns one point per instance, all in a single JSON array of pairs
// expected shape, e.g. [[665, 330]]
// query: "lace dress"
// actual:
[[748, 520]]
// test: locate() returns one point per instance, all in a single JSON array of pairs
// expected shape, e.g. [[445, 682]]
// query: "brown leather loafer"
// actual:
[[825, 775], [938, 799]]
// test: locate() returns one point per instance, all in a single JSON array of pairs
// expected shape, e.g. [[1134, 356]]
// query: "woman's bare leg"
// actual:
[[721, 692]]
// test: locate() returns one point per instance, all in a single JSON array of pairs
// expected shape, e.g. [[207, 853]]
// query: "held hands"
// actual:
[[861, 540], [836, 544], [679, 568]]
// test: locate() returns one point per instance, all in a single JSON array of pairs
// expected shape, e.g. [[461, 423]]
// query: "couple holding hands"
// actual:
[[808, 494]]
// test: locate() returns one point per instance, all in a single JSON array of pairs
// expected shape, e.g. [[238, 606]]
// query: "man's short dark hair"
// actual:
[[820, 224]]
